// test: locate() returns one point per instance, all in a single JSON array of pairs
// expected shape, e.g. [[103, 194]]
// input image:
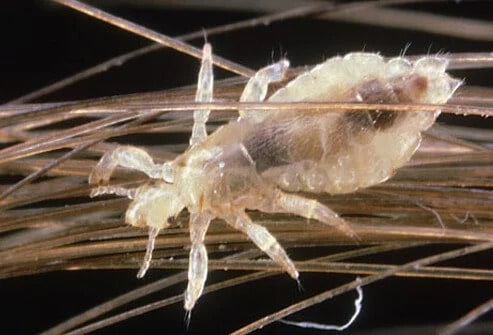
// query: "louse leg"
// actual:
[[256, 88], [118, 190], [205, 87], [264, 241], [153, 233], [129, 157], [197, 268], [310, 209]]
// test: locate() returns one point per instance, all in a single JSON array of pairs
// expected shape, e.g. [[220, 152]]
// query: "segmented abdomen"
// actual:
[[318, 151]]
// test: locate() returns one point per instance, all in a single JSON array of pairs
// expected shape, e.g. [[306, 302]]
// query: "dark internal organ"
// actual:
[[268, 148], [401, 90], [316, 136]]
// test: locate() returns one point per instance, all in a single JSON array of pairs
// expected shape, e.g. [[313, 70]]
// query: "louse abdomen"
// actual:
[[317, 151], [342, 152], [341, 159]]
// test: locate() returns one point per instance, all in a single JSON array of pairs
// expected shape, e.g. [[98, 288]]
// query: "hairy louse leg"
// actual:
[[197, 268], [310, 209], [129, 157], [153, 233], [205, 87], [256, 88], [264, 241], [118, 190]]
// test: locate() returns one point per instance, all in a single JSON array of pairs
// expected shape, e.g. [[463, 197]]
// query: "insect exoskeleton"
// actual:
[[261, 159]]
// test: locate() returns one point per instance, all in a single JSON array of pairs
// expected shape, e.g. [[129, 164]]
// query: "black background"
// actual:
[[42, 42]]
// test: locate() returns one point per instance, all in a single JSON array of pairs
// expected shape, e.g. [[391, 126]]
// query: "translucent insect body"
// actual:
[[253, 162]]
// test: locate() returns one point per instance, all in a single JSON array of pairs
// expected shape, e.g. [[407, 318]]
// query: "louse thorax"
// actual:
[[219, 172]]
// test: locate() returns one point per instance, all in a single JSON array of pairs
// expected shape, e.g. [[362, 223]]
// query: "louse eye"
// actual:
[[171, 220]]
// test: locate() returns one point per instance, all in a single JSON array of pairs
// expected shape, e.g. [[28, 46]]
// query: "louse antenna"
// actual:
[[153, 233]]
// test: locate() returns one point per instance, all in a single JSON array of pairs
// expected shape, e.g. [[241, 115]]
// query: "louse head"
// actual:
[[154, 205]]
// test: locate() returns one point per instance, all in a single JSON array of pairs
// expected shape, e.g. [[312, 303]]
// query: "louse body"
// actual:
[[260, 160]]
